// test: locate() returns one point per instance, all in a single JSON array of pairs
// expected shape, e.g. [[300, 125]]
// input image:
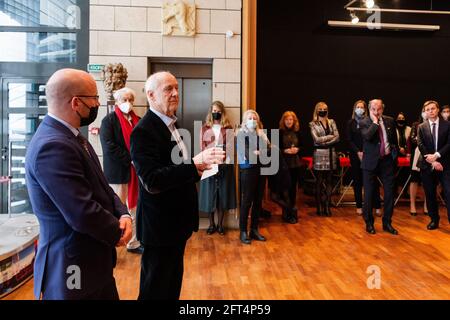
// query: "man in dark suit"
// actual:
[[167, 212], [433, 141], [81, 219], [380, 150]]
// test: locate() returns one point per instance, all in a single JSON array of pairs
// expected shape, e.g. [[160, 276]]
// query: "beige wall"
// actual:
[[129, 31]]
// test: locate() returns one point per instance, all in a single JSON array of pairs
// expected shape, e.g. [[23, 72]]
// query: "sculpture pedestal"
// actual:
[[18, 241]]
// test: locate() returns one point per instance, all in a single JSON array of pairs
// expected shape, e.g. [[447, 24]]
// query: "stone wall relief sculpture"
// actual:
[[178, 19]]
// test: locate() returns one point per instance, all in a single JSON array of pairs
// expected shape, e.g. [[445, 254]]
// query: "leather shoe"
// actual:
[[292, 220], [370, 229], [413, 214], [221, 230], [255, 235], [433, 225], [211, 229], [389, 228], [244, 238], [138, 250]]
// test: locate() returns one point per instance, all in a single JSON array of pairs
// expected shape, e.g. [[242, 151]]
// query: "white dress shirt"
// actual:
[[170, 123], [437, 134]]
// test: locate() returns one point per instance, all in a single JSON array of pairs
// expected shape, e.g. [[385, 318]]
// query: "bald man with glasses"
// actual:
[[81, 219]]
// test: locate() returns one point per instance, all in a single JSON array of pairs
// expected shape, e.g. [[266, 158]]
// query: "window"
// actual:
[[38, 47], [37, 13]]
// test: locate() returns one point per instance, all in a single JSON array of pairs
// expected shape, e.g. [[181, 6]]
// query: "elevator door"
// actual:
[[195, 101]]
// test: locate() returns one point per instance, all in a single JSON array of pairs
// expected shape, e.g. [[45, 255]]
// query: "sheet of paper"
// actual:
[[211, 172]]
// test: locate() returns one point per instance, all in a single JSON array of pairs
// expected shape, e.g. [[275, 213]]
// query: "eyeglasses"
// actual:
[[96, 97], [93, 97]]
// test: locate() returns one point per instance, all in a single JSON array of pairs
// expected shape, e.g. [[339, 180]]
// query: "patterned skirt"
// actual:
[[325, 159]]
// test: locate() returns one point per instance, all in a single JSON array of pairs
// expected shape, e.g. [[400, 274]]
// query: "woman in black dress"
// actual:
[[290, 142]]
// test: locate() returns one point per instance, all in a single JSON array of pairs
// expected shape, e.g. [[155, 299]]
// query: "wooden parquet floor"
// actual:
[[318, 258]]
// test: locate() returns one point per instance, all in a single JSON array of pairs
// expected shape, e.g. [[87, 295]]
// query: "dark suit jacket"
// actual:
[[371, 141], [167, 211], [425, 143], [116, 157], [78, 213], [354, 139]]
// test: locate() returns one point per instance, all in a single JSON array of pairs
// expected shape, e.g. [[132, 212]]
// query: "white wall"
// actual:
[[129, 31]]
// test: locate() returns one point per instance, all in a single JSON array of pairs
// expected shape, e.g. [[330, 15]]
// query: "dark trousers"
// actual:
[[294, 172], [108, 292], [357, 177], [385, 170], [252, 185], [324, 186], [430, 181], [162, 272]]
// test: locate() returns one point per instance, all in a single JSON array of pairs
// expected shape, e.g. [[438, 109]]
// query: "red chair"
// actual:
[[308, 161], [402, 163]]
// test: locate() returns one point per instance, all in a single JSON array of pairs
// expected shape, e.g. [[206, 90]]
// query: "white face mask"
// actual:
[[360, 112], [126, 107], [251, 124]]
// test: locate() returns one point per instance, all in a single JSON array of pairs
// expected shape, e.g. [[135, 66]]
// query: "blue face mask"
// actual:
[[360, 112], [251, 124]]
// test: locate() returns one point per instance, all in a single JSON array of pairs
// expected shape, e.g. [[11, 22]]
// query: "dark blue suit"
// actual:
[[78, 214]]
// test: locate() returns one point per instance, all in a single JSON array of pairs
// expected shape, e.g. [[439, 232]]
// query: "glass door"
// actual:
[[23, 107]]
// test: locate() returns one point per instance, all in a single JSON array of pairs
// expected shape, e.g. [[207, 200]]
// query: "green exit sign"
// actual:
[[95, 67]]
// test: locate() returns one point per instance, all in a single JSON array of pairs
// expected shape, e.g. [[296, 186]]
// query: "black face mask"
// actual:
[[401, 123], [217, 116], [93, 112], [322, 113]]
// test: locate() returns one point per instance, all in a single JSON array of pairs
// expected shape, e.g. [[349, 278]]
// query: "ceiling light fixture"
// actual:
[[383, 26], [369, 4], [354, 17]]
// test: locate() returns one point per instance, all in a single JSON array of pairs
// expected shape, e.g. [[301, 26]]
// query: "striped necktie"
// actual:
[[84, 143]]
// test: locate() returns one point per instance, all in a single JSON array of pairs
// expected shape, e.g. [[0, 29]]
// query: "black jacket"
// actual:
[[425, 143], [354, 136], [167, 211], [371, 141], [116, 157]]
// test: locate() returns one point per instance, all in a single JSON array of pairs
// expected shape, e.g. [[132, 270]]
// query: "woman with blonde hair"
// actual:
[[218, 193], [290, 142], [251, 142], [325, 135]]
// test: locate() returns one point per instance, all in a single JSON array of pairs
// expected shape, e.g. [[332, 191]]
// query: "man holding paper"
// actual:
[[167, 212]]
